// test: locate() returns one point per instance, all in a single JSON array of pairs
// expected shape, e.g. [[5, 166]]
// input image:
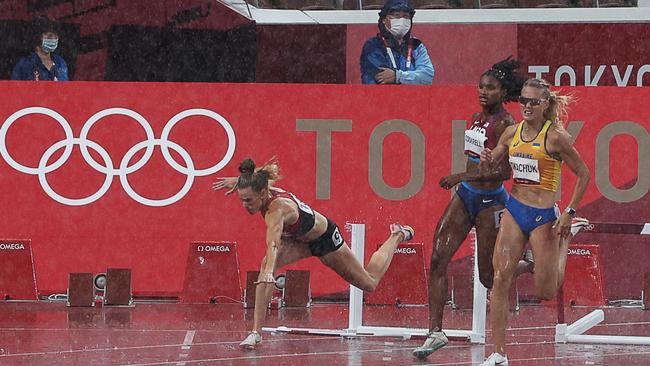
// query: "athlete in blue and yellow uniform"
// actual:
[[532, 166], [479, 200], [536, 148]]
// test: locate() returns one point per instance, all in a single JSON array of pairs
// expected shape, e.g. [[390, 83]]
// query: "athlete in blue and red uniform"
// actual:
[[295, 231], [479, 199]]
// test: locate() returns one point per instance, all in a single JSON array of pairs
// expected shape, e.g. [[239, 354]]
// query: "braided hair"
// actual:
[[511, 81]]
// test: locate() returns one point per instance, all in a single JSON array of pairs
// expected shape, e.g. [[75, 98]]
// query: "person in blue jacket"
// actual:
[[394, 56], [43, 63]]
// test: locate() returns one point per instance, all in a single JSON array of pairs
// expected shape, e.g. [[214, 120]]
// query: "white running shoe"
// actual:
[[578, 223], [407, 231], [496, 359], [434, 342], [251, 341]]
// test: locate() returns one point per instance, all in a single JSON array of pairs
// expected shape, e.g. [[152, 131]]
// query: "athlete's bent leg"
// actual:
[[343, 261]]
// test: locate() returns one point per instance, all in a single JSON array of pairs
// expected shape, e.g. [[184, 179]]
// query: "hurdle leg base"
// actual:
[[574, 332], [585, 323], [368, 331], [560, 333]]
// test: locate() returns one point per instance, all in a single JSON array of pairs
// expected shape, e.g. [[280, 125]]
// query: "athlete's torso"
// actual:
[[306, 215], [478, 136], [481, 134], [532, 165]]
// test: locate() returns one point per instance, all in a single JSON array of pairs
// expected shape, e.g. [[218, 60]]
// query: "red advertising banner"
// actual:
[[119, 175], [212, 273], [583, 283], [17, 278], [408, 263]]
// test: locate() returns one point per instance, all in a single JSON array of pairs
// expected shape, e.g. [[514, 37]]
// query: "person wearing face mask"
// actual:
[[43, 63], [394, 56]]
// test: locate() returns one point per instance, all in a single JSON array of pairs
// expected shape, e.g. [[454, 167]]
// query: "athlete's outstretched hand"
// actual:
[[228, 183], [449, 181]]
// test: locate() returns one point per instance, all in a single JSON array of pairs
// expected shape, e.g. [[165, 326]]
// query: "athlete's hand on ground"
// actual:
[[265, 278], [562, 226], [225, 183], [385, 76], [449, 181]]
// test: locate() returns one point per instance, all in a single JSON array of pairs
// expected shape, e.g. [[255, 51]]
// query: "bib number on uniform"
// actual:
[[474, 142], [337, 239], [498, 215], [525, 170]]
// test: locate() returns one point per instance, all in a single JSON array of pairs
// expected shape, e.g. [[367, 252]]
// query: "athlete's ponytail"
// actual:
[[511, 81], [258, 178]]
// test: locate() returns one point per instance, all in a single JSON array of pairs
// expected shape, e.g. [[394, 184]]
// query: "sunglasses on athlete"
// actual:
[[533, 101]]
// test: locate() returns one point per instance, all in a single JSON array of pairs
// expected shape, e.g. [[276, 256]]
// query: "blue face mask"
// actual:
[[49, 44]]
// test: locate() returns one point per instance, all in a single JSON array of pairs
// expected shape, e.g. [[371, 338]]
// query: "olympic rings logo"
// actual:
[[108, 167]]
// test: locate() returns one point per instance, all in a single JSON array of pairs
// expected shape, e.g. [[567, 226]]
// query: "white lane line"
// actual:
[[104, 349], [187, 344], [464, 362], [189, 336]]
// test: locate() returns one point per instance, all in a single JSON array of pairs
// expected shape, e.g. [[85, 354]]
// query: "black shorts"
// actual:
[[330, 241]]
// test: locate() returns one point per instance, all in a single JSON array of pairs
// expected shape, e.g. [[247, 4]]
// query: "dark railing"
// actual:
[[438, 4]]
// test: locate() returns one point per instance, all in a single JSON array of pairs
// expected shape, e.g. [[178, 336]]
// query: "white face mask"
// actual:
[[49, 44], [399, 27]]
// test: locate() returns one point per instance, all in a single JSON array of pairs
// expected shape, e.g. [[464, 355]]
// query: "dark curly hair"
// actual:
[[511, 81]]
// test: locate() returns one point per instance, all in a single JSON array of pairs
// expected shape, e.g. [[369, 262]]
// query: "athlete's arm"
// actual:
[[560, 144], [500, 172], [274, 224], [228, 183], [490, 159]]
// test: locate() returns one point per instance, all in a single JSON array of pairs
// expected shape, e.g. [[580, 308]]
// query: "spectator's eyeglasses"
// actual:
[[533, 101]]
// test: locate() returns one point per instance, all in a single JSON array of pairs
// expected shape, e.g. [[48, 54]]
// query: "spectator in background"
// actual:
[[394, 56], [43, 63]]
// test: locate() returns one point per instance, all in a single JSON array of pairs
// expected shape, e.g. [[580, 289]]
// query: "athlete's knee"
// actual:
[[368, 286], [501, 278], [438, 263]]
